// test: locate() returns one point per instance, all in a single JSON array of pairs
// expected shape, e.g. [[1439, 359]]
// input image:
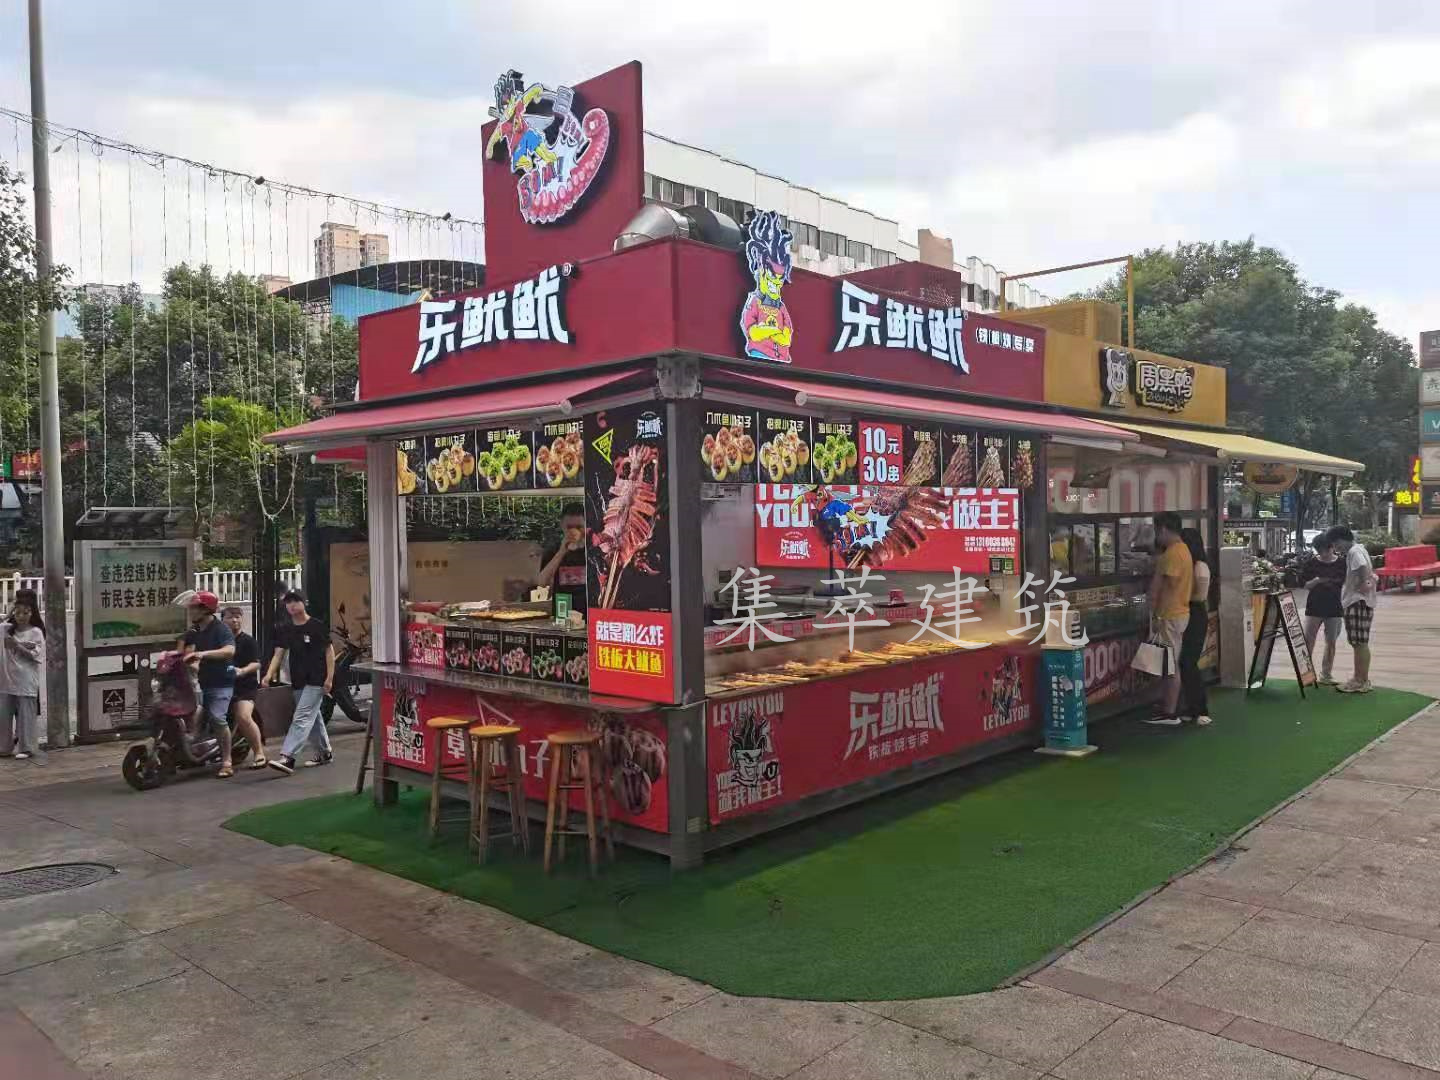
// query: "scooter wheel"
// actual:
[[140, 772]]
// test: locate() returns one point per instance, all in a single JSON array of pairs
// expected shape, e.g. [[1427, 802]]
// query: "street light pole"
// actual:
[[52, 521]]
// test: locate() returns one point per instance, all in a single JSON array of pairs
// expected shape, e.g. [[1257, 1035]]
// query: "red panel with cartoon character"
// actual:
[[770, 748]]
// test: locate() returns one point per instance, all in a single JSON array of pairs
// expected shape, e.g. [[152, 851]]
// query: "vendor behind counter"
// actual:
[[562, 566]]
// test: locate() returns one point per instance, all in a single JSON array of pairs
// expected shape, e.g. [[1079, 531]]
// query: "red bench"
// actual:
[[1408, 563]]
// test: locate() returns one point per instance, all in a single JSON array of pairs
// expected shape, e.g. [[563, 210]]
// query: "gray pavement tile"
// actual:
[[640, 993], [1326, 1074], [897, 1052], [1402, 1026], [1340, 948], [1412, 767], [1302, 999], [1386, 860], [1422, 974], [268, 952], [472, 1040], [1295, 847], [383, 1003], [1338, 805], [1271, 858], [107, 970], [1186, 918], [1032, 1025], [46, 939], [1142, 1048], [596, 1063], [1355, 889], [1137, 957], [188, 1027], [182, 904], [768, 1036], [1415, 821]]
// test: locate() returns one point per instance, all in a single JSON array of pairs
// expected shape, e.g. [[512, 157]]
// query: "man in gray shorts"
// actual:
[[210, 644]]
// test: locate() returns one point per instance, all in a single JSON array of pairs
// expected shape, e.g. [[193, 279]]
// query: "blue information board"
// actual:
[[1065, 717]]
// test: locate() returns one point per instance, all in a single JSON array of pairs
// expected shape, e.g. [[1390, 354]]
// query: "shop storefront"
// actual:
[[814, 519]]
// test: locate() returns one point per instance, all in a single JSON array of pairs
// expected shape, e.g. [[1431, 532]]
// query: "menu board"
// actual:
[[627, 519], [515, 654], [784, 445], [485, 647], [577, 660], [957, 457], [834, 451], [559, 454], [728, 445], [450, 463], [922, 456], [505, 457], [547, 657], [457, 648], [410, 466]]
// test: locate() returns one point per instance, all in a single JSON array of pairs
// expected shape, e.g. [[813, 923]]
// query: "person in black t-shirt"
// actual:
[[1324, 574], [246, 663], [562, 566], [312, 672], [209, 646]]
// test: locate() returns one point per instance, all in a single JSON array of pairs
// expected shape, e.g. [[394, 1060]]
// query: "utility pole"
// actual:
[[52, 521]]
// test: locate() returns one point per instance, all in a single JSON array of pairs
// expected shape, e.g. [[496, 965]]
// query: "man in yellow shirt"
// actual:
[[1170, 587]]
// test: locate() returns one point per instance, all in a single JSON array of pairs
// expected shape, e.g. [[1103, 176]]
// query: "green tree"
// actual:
[[1301, 366]]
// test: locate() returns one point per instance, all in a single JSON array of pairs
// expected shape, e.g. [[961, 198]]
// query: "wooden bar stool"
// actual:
[[576, 752], [488, 742], [441, 725]]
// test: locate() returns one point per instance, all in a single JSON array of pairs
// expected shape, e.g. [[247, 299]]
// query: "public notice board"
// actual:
[[128, 589]]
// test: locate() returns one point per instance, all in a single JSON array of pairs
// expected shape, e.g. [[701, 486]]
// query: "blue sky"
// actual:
[[1033, 133]]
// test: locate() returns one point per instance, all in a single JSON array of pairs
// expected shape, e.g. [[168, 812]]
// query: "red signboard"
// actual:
[[25, 465], [515, 248], [634, 747], [769, 749], [670, 296], [973, 528], [632, 654]]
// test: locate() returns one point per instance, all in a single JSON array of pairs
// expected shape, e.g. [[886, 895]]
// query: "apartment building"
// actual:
[[341, 247], [831, 236]]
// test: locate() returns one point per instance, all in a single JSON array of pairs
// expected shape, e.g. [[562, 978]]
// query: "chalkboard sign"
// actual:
[[1282, 618]]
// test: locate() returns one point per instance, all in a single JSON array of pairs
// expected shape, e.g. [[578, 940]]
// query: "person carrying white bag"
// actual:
[[1169, 595]]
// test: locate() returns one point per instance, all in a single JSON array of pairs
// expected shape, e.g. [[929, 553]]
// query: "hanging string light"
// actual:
[[165, 305], [135, 307], [98, 152]]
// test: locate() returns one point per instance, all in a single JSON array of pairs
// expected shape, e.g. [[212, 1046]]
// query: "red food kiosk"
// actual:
[[810, 502]]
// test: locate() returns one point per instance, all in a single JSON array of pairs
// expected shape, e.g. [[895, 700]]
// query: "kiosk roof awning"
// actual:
[[1233, 445], [504, 404], [818, 395]]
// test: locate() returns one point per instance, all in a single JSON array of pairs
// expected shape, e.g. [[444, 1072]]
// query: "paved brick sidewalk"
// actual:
[[1309, 950]]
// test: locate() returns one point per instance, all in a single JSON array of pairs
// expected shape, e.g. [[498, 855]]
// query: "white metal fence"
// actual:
[[231, 586]]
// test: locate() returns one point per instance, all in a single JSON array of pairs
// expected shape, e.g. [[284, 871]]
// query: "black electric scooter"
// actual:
[[172, 749]]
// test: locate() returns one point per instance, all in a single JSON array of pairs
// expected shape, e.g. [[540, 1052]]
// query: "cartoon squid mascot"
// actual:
[[764, 320]]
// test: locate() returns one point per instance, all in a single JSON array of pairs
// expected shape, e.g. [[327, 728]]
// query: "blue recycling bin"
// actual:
[[1065, 719]]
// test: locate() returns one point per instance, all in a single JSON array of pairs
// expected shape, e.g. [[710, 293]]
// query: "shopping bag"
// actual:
[[1153, 658]]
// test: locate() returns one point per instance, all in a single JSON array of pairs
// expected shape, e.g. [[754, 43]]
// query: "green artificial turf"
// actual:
[[946, 888]]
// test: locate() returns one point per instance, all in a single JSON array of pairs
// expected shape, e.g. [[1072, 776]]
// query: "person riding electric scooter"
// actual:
[[172, 748]]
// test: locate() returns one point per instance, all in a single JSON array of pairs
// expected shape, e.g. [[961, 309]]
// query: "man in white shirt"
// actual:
[[1357, 598]]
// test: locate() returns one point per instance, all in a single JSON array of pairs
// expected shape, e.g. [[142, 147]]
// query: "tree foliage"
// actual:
[[1302, 366]]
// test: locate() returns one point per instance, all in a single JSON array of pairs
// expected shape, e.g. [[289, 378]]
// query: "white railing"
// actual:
[[231, 586]]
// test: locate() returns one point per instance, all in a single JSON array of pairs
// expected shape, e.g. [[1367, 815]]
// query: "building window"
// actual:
[[880, 257], [712, 199], [831, 243], [808, 235], [858, 251], [668, 194]]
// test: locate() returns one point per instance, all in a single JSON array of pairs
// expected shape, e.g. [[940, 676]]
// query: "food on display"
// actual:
[[835, 457], [992, 474], [960, 471], [577, 659], [515, 662], [407, 478], [795, 672], [485, 657], [505, 463], [1024, 465], [546, 664], [457, 651], [629, 523], [921, 469], [648, 752], [910, 513], [782, 456], [559, 460], [447, 468], [575, 668]]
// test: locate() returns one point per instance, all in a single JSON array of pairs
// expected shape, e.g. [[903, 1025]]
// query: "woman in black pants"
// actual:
[[1193, 701]]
